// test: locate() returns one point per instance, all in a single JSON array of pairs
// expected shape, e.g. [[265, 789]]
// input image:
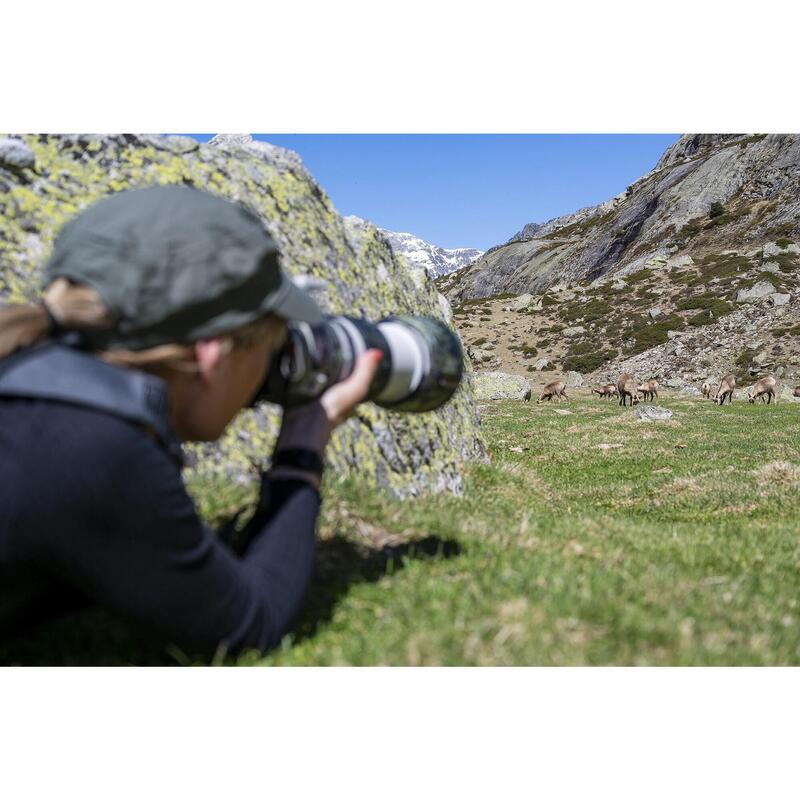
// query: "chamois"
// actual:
[[626, 387], [765, 386], [607, 391], [796, 392], [726, 387], [649, 389], [705, 390], [553, 389]]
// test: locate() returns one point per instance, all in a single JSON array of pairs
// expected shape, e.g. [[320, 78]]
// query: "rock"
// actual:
[[772, 249], [573, 379], [771, 266], [680, 261], [652, 413], [402, 454], [489, 346], [778, 299], [501, 386], [673, 383], [653, 313], [754, 293], [657, 260], [786, 393], [760, 358], [541, 364], [480, 356], [522, 303], [673, 334], [575, 330], [690, 391], [563, 412], [16, 154], [618, 286]]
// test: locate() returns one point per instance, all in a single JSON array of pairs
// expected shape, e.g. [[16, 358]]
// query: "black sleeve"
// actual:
[[153, 561]]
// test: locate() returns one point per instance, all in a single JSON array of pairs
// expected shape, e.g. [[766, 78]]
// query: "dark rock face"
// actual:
[[754, 179], [350, 264]]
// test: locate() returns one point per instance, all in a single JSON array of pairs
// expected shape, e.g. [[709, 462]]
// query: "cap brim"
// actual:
[[293, 304]]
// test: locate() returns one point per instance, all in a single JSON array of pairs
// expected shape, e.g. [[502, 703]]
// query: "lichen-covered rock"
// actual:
[[353, 266], [501, 386]]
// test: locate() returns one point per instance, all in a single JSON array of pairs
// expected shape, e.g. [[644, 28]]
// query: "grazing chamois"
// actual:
[[705, 390], [553, 389], [765, 386], [607, 391], [626, 387], [649, 389], [726, 387]]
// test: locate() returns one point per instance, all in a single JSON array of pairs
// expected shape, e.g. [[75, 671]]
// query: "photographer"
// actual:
[[162, 310]]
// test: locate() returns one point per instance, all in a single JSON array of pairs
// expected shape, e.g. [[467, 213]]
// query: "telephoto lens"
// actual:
[[420, 370]]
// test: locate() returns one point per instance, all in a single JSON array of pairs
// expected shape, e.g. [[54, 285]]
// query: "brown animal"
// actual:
[[626, 387], [726, 387], [764, 387], [607, 391], [553, 389], [705, 389], [796, 391], [649, 389]]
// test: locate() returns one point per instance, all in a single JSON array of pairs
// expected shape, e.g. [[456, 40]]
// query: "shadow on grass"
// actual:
[[340, 564], [94, 637]]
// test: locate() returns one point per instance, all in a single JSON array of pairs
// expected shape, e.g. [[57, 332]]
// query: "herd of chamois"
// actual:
[[629, 391]]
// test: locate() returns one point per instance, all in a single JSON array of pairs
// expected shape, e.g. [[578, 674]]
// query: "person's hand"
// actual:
[[310, 426]]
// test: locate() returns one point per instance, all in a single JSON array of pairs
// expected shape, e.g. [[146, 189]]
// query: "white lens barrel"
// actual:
[[410, 361]]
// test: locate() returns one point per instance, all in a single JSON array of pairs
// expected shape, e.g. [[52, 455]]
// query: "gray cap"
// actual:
[[175, 265]]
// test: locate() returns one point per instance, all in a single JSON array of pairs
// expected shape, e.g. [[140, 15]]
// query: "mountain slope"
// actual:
[[707, 193]]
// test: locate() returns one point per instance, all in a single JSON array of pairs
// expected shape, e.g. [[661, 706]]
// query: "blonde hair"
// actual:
[[70, 306]]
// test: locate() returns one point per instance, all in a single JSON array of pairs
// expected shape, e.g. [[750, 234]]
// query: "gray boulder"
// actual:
[[575, 330], [772, 249], [754, 293], [573, 379], [778, 299], [523, 303], [652, 413], [787, 394], [541, 364], [501, 386], [15, 153]]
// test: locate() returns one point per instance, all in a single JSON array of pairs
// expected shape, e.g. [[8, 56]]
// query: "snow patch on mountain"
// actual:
[[437, 261]]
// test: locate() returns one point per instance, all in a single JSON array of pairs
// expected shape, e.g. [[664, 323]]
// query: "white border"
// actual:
[[399, 733]]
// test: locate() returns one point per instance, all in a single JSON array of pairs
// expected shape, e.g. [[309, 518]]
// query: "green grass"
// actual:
[[678, 547]]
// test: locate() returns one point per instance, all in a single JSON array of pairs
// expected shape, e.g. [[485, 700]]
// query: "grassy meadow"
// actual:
[[591, 538]]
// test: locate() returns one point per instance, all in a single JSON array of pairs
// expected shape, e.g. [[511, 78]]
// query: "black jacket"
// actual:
[[93, 506]]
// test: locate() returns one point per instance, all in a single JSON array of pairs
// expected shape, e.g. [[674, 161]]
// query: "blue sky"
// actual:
[[470, 190]]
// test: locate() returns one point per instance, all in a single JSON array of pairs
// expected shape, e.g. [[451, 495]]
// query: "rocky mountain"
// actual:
[[707, 193], [438, 261], [45, 180]]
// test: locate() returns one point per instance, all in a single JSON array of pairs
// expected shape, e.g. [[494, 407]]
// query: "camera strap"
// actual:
[[58, 373]]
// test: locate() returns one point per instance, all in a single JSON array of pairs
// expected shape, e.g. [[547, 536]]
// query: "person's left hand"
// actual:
[[310, 425]]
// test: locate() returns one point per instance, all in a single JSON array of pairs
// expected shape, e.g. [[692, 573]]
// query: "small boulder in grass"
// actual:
[[652, 413]]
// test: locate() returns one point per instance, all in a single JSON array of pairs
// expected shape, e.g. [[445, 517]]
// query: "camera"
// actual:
[[420, 370]]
